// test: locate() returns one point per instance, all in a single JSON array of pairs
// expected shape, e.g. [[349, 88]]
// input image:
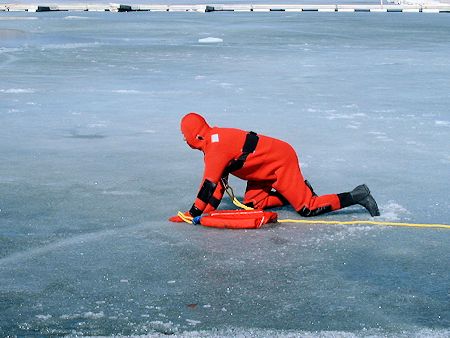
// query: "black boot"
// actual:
[[360, 195]]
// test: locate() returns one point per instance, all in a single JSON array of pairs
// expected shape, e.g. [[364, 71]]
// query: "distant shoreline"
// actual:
[[426, 6]]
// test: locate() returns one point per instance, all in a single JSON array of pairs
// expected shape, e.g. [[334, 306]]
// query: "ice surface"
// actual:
[[93, 163]]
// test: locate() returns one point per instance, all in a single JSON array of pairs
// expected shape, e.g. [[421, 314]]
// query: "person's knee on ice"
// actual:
[[314, 205], [306, 212], [317, 205]]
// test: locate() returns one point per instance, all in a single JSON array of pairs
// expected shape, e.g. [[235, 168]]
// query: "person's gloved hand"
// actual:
[[177, 219]]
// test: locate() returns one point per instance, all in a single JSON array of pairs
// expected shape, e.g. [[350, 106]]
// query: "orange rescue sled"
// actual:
[[236, 219]]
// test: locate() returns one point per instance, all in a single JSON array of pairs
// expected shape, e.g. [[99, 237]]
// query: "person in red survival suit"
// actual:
[[270, 167]]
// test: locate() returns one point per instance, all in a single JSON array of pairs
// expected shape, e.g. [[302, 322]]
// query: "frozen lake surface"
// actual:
[[93, 164]]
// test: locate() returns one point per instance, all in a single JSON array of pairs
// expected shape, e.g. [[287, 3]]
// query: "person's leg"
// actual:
[[302, 197], [291, 184], [313, 205], [299, 193], [308, 204]]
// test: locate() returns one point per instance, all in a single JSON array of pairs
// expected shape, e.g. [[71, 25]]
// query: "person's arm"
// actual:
[[211, 189], [216, 198]]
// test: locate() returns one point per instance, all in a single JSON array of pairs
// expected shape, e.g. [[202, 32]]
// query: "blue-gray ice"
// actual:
[[92, 164]]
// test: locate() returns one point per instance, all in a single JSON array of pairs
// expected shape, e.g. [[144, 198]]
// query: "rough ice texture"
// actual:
[[92, 165]]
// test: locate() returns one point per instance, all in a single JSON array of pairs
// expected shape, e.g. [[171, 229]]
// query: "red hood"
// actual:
[[195, 129]]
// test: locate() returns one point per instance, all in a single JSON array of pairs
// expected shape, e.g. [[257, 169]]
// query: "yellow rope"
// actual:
[[187, 219], [230, 193], [397, 224], [241, 205]]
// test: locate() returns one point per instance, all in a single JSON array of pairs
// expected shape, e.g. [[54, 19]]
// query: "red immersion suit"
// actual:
[[270, 167]]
